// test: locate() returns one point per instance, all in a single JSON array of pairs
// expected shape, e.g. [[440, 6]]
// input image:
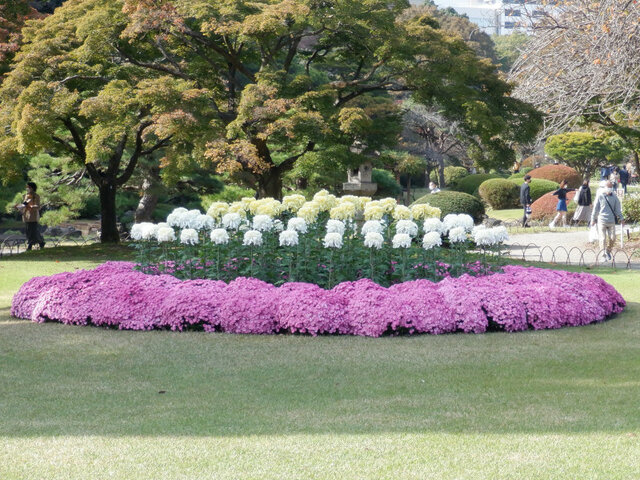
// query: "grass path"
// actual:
[[85, 403]]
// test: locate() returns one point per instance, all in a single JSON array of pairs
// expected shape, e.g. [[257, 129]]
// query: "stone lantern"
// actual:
[[359, 180]]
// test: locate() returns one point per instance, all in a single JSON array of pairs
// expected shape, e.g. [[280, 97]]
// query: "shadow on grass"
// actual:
[[91, 252], [65, 380]]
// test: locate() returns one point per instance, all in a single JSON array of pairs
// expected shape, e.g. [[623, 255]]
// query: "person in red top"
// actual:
[[30, 209]]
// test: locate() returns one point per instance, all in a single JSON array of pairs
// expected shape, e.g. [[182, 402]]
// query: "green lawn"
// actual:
[[86, 403]]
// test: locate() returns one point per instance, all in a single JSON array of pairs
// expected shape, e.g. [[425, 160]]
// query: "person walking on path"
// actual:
[[607, 211], [583, 212], [30, 209], [624, 178], [561, 208], [525, 199]]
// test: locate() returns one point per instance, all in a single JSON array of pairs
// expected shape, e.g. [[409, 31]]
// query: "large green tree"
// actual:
[[288, 77], [580, 150]]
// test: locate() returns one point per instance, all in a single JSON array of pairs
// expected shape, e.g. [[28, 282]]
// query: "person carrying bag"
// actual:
[[607, 212]]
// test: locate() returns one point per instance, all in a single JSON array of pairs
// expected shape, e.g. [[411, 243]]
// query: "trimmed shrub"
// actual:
[[516, 176], [499, 193], [454, 202], [387, 185], [545, 207], [470, 183], [537, 187], [453, 175], [631, 209], [557, 173]]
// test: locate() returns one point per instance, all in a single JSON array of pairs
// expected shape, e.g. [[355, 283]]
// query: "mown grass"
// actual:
[[89, 403]]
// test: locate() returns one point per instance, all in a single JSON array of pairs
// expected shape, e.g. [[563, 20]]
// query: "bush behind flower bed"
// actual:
[[115, 295], [545, 207], [454, 202], [557, 173]]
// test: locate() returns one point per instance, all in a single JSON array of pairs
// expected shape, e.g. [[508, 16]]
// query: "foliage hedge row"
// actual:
[[499, 193], [454, 202], [557, 173], [545, 207], [631, 209], [471, 183]]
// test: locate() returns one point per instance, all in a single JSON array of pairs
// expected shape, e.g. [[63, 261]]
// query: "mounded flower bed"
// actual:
[[520, 298]]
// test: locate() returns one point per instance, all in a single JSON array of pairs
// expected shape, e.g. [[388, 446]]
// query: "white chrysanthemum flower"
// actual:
[[501, 234], [278, 226], [162, 224], [189, 236], [401, 240], [477, 228], [400, 212], [288, 238], [431, 240], [332, 240], [231, 221], [335, 226], [465, 221], [177, 217], [191, 219], [292, 203], [136, 231], [408, 227], [372, 226], [433, 225], [219, 236], [203, 222], [484, 237], [217, 209], [298, 224], [252, 237], [457, 234], [424, 210], [165, 234], [149, 230], [450, 221], [373, 240], [262, 223]]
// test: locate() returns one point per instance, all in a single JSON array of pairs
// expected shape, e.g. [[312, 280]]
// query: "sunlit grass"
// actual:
[[90, 403]]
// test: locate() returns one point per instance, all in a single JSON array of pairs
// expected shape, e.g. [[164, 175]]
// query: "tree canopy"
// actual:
[[582, 65], [580, 150], [247, 88]]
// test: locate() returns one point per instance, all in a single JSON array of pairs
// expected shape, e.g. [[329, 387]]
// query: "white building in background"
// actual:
[[494, 16]]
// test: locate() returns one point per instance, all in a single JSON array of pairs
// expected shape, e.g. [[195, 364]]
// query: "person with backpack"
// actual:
[[607, 211], [583, 198]]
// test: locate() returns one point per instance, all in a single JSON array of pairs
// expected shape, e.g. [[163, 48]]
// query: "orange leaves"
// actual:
[[235, 156]]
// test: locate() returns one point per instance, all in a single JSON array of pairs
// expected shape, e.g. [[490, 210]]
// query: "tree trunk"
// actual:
[[108, 221], [636, 160], [441, 171], [149, 199], [408, 190], [270, 184]]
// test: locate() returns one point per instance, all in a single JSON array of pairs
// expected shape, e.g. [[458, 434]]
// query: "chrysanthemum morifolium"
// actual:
[[288, 238], [408, 227], [332, 240], [189, 236], [165, 234], [262, 223], [143, 231], [335, 226], [433, 225], [373, 240], [298, 224], [457, 235], [231, 221], [431, 240], [252, 237], [401, 240], [219, 236], [372, 226]]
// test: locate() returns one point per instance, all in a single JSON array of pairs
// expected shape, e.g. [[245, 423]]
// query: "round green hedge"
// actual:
[[454, 202], [499, 193], [537, 187], [631, 209], [470, 183]]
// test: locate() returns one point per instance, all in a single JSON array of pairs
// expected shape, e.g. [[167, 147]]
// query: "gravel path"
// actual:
[[567, 246]]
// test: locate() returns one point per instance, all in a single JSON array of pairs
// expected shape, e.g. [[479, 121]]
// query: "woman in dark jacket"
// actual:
[[561, 193], [583, 212]]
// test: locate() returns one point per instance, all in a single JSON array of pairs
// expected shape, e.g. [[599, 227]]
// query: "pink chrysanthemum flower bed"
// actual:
[[520, 298]]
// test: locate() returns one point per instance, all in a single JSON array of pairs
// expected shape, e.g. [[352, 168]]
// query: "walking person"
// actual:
[[607, 211], [624, 178], [525, 199], [30, 209], [561, 208], [583, 212]]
